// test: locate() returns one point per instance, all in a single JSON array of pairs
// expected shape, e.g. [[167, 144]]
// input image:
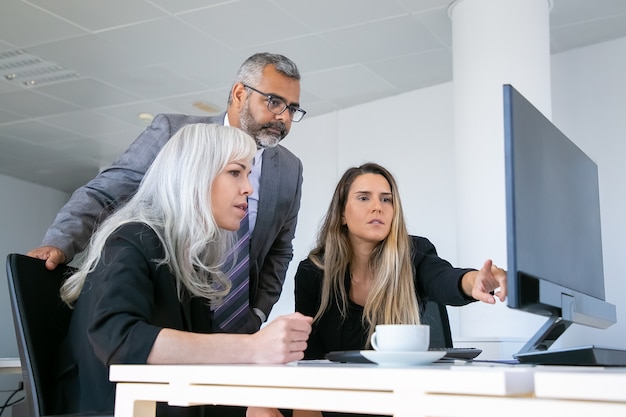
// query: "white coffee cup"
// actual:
[[401, 337]]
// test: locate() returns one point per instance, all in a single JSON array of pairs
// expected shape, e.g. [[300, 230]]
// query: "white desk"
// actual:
[[437, 390], [10, 366], [592, 384]]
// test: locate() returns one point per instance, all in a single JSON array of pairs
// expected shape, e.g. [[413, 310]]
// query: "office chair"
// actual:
[[41, 321], [436, 315]]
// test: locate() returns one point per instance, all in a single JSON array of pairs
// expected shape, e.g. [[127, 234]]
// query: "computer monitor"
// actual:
[[554, 242]]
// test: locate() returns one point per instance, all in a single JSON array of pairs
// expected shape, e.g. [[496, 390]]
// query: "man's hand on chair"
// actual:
[[53, 256]]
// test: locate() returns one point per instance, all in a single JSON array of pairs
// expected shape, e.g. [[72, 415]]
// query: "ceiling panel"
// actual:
[[45, 133], [341, 84], [7, 116], [589, 32], [31, 103], [89, 55], [411, 72], [383, 39], [24, 25], [260, 22], [88, 93], [573, 12], [115, 59], [85, 122], [163, 41], [141, 81], [178, 6], [96, 15], [325, 15]]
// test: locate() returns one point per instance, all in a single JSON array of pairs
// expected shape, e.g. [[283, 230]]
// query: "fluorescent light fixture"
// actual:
[[19, 66]]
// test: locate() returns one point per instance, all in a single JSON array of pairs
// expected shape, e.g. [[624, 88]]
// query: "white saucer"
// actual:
[[402, 358]]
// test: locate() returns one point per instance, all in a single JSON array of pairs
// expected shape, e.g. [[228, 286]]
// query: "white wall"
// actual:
[[411, 134], [589, 87], [25, 213]]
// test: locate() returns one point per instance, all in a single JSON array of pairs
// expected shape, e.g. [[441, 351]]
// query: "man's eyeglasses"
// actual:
[[277, 105]]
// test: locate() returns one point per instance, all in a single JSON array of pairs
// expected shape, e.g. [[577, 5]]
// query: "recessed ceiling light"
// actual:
[[206, 107], [145, 117]]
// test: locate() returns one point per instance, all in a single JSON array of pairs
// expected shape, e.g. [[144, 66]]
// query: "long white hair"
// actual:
[[174, 199]]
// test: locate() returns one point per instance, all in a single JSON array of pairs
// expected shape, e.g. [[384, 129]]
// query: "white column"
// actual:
[[495, 42]]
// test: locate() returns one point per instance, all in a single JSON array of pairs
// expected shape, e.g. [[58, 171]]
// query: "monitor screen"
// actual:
[[554, 242]]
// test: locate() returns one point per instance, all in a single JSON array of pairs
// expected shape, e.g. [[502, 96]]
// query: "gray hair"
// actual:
[[251, 71], [174, 200]]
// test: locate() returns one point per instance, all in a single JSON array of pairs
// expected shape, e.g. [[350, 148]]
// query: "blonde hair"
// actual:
[[392, 299], [174, 200]]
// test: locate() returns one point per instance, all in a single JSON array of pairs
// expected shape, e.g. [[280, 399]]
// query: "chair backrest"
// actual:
[[41, 321], [436, 315]]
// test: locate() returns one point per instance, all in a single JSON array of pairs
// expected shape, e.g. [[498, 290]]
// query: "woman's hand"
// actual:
[[283, 340], [486, 283]]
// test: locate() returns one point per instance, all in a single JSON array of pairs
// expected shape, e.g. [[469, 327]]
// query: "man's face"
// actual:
[[267, 128]]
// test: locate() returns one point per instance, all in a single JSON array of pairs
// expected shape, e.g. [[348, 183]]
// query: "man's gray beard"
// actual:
[[250, 126], [266, 141]]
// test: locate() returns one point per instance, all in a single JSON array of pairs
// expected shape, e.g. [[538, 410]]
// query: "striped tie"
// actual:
[[232, 313]]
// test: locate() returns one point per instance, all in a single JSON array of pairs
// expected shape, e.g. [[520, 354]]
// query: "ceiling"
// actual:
[[99, 64]]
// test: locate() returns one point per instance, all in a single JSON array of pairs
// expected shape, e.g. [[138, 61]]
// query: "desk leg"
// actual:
[[129, 404]]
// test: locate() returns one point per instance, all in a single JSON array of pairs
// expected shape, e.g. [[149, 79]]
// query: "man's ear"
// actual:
[[239, 94]]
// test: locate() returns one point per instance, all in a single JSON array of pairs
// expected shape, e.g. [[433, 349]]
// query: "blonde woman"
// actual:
[[367, 270], [153, 272]]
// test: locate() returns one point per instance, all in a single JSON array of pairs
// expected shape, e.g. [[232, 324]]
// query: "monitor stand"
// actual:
[[536, 351]]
